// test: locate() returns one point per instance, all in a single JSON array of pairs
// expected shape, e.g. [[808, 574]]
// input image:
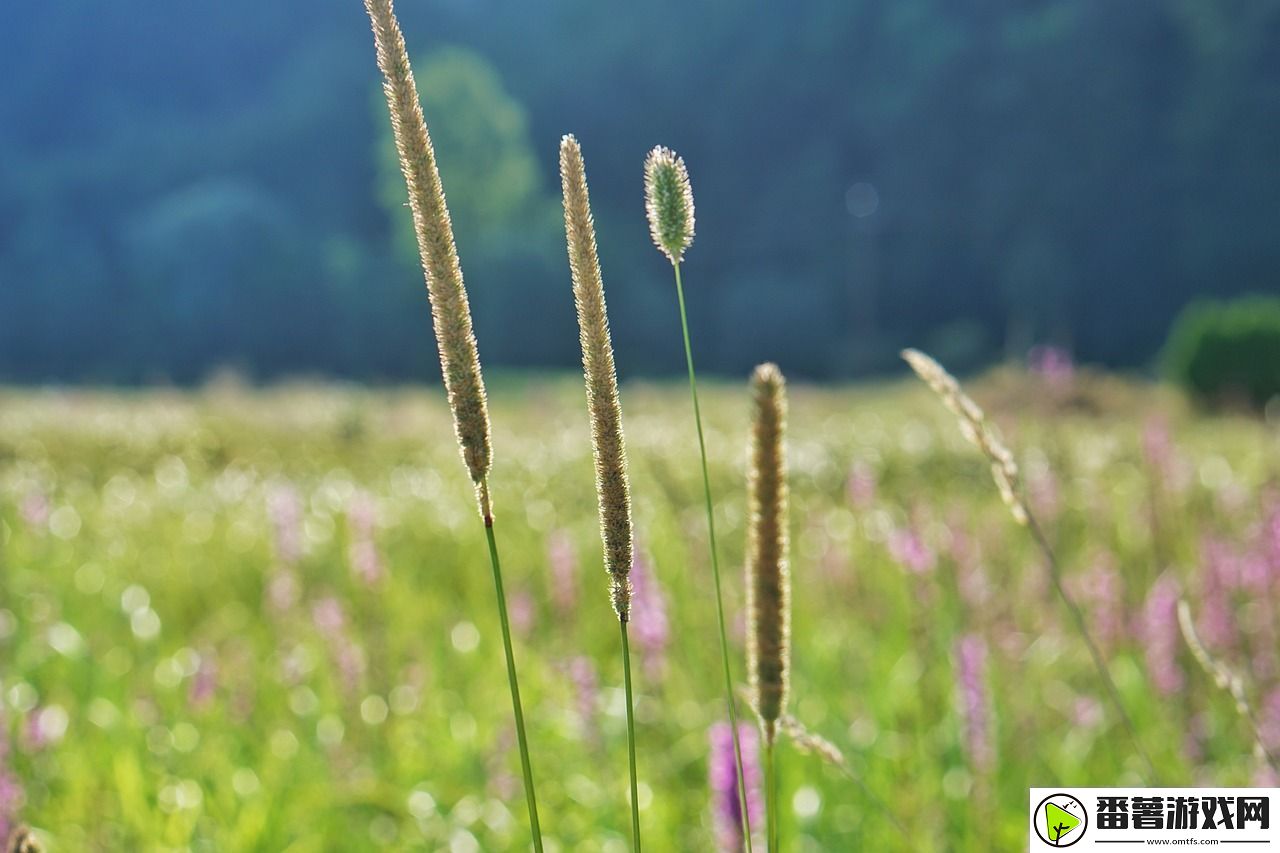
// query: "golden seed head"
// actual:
[[768, 579], [668, 201], [23, 840], [608, 445], [975, 427], [450, 311]]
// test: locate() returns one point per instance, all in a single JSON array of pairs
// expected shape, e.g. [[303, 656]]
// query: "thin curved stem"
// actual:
[[715, 566], [525, 766], [631, 741], [1082, 628]]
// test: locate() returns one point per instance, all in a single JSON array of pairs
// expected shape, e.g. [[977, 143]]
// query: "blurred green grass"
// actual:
[[151, 569]]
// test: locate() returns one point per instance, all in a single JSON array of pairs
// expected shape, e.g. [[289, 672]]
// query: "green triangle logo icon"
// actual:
[[1058, 822]]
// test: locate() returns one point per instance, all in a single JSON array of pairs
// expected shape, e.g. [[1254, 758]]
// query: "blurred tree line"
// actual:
[[188, 186]]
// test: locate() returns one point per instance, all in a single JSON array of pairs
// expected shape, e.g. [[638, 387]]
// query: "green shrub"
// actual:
[[1227, 352]]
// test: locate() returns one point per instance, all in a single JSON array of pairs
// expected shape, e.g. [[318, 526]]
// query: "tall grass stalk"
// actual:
[[608, 444], [450, 317], [669, 206], [1004, 470]]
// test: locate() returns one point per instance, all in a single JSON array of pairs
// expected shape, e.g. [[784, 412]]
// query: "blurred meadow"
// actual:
[[261, 620], [244, 600]]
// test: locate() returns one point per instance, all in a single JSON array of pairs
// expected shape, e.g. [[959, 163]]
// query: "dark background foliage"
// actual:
[[185, 186]]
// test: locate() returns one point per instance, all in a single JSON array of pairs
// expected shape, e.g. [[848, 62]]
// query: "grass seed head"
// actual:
[[976, 429], [668, 201], [768, 573], [450, 311], [608, 445], [23, 840]]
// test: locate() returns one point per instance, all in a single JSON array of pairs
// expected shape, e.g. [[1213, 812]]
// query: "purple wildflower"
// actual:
[[203, 683], [284, 508], [966, 553], [328, 616], [586, 688], [1044, 493], [1269, 724], [909, 550], [861, 485], [1161, 454], [524, 612], [283, 590], [1053, 364], [362, 552], [648, 626], [1261, 572], [1086, 712], [726, 812], [503, 784], [347, 654], [45, 727], [1161, 636], [564, 573], [35, 510], [12, 795], [1101, 589], [971, 678], [1220, 576]]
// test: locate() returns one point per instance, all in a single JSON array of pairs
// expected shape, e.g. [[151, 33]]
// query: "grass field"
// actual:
[[243, 621]]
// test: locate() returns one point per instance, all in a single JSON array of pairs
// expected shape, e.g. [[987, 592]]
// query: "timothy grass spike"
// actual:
[[768, 574], [451, 318], [450, 310], [608, 444], [668, 202]]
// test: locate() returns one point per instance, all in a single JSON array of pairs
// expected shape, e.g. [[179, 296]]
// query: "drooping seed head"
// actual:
[[668, 201], [608, 445], [768, 579], [975, 427], [450, 310], [1223, 677]]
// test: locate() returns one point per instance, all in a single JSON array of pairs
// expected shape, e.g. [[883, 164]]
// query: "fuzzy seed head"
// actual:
[[668, 201], [976, 429], [608, 445], [768, 579], [450, 310], [23, 840]]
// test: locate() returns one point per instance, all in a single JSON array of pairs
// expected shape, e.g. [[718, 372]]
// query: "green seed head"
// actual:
[[668, 202], [450, 310], [768, 572], [607, 442]]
